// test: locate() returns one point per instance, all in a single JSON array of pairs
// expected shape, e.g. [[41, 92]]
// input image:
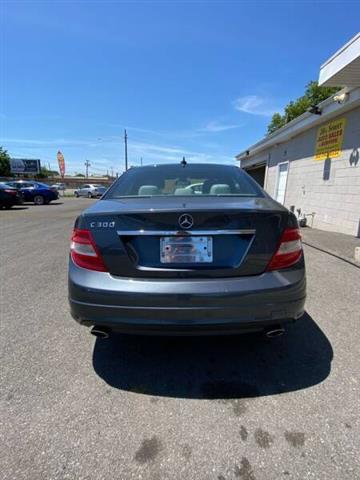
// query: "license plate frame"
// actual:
[[189, 249]]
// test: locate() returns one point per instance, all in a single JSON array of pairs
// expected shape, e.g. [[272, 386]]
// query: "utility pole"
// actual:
[[112, 172], [141, 161], [87, 165], [126, 155]]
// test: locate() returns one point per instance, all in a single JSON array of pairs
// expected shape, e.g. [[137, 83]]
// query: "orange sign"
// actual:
[[61, 162]]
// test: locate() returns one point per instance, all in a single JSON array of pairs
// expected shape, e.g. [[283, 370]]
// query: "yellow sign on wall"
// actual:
[[329, 139]]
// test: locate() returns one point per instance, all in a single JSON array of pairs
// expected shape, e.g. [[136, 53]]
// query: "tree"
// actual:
[[45, 173], [277, 121], [297, 108], [317, 94], [4, 163], [312, 96]]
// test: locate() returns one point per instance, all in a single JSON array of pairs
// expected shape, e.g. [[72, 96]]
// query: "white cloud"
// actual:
[[214, 127], [255, 105], [153, 153]]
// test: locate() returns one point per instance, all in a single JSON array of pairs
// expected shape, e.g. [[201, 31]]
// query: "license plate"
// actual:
[[187, 249]]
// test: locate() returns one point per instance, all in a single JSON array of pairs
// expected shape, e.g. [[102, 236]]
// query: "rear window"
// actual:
[[188, 180]]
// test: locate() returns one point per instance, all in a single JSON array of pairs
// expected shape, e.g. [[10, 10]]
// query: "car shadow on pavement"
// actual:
[[223, 367], [14, 208]]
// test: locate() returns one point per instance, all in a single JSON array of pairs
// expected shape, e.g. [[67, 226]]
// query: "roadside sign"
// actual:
[[61, 162], [23, 165], [329, 139]]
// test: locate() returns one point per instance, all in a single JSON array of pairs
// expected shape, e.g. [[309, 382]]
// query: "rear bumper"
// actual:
[[186, 306]]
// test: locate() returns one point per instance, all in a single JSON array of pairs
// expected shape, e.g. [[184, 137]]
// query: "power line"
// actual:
[[98, 169]]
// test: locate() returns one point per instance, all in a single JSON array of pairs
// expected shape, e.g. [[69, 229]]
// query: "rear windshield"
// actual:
[[179, 180]]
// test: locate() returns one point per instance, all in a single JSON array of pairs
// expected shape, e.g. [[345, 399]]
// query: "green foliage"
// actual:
[[313, 95], [45, 173], [317, 94], [4, 163], [297, 108], [277, 121]]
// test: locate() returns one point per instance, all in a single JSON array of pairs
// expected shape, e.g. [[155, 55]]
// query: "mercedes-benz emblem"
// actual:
[[186, 221]]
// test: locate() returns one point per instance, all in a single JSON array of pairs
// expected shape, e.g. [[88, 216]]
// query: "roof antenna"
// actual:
[[183, 162]]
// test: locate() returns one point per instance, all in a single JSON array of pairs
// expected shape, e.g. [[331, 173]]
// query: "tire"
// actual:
[[89, 195], [76, 195], [7, 207], [39, 200]]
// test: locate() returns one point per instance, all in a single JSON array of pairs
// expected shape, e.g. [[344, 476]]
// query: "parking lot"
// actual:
[[244, 407]]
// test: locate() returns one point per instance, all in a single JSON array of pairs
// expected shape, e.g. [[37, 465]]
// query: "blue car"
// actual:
[[36, 192]]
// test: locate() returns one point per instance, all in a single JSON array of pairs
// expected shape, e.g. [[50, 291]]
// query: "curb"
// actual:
[[333, 254]]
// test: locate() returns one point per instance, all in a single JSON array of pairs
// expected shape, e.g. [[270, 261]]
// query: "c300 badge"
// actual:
[[102, 224]]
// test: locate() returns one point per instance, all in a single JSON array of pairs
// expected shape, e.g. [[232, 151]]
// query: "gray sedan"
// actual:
[[90, 190], [153, 257]]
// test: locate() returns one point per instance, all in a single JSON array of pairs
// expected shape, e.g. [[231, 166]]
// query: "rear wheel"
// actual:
[[76, 195], [39, 200]]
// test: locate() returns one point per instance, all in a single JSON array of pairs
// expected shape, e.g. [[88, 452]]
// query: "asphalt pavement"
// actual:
[[337, 244], [225, 408]]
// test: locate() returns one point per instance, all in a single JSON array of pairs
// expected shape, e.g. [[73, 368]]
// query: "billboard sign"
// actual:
[[61, 162], [24, 165], [330, 139]]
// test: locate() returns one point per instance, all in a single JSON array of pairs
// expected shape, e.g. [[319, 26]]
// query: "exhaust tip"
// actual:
[[99, 332], [275, 332]]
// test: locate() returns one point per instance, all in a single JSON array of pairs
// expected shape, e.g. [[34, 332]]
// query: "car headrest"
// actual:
[[183, 191], [220, 189], [148, 190]]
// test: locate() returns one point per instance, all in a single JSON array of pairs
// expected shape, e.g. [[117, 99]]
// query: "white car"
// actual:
[[90, 190], [59, 186]]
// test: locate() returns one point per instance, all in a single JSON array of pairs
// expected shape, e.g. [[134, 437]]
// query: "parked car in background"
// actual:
[[59, 186], [9, 196], [36, 192], [226, 260], [90, 190]]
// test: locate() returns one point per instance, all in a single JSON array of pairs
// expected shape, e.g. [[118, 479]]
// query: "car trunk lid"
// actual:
[[131, 233]]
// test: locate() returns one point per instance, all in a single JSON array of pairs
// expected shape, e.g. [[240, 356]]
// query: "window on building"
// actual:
[[327, 169]]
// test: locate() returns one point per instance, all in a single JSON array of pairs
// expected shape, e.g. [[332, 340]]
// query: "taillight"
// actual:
[[11, 192], [289, 251], [84, 252]]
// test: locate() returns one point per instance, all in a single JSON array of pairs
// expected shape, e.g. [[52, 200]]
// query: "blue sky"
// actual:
[[199, 79]]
